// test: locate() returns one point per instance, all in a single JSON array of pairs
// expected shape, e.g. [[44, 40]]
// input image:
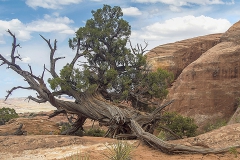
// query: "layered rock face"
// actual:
[[208, 88], [176, 56]]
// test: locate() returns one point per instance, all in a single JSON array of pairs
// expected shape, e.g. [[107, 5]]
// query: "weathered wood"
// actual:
[[123, 121]]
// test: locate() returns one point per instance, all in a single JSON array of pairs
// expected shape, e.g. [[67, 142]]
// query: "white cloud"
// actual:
[[1, 39], [182, 28], [50, 4], [68, 31], [131, 11], [50, 23], [174, 8], [24, 60], [186, 2], [190, 23], [17, 27], [231, 2]]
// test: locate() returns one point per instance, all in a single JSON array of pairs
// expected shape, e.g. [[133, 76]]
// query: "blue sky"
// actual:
[[155, 21]]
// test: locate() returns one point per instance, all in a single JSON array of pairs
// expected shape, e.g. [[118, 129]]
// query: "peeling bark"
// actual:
[[123, 122]]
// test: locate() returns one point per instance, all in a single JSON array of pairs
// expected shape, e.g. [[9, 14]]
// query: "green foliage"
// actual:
[[7, 114], [119, 151], [95, 132], [211, 126], [66, 125], [182, 126], [157, 83], [112, 69]]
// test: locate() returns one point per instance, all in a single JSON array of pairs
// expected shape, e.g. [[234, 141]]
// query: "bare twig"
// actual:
[[157, 110], [14, 88], [30, 68], [52, 60], [14, 46], [43, 71], [36, 99]]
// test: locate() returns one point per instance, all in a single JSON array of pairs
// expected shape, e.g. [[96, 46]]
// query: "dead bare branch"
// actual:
[[36, 99], [30, 68], [52, 59], [43, 71], [14, 46], [56, 112], [126, 121], [157, 110], [14, 88]]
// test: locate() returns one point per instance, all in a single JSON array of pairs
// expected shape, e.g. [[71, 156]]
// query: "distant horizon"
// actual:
[[67, 97]]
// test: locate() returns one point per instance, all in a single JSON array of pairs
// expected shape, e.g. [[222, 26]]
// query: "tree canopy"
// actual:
[[116, 71]]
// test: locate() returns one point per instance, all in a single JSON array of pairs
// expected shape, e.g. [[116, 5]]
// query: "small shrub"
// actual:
[[7, 114], [211, 126], [95, 132], [119, 151], [181, 126], [64, 126]]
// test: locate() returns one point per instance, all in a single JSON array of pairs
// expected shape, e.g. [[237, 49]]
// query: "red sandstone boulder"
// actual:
[[208, 88], [176, 56]]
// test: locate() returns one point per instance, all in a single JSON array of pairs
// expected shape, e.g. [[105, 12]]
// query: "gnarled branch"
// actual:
[[14, 46], [52, 59], [36, 99], [14, 88], [87, 105]]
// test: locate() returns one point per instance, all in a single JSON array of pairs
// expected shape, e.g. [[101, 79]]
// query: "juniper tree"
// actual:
[[113, 73]]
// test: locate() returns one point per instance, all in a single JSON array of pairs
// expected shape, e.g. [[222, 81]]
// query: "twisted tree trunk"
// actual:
[[121, 121]]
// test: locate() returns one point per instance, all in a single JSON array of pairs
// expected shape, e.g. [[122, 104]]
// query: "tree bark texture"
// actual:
[[121, 121]]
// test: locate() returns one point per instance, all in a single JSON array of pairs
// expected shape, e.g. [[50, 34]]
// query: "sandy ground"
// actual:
[[36, 146], [45, 147]]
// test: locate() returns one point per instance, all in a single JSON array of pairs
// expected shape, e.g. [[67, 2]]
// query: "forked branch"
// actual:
[[15, 88], [126, 121], [36, 99], [52, 59], [14, 46]]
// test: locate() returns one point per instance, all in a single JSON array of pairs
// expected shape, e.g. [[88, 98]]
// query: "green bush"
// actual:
[[7, 114], [181, 126], [95, 132], [64, 126]]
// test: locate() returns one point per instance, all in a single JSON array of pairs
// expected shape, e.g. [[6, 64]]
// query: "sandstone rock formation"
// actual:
[[176, 56], [31, 126], [208, 88]]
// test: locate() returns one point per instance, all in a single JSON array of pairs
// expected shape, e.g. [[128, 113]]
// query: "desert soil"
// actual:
[[37, 146]]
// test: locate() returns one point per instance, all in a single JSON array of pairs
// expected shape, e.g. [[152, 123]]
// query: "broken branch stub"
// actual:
[[125, 121]]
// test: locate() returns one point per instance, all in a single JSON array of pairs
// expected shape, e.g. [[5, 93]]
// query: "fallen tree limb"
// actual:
[[125, 121]]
